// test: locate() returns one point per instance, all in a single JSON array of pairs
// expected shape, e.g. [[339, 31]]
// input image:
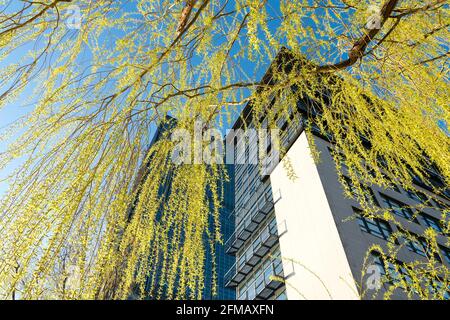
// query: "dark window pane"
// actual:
[[418, 196], [431, 222], [398, 208], [446, 254], [376, 227]]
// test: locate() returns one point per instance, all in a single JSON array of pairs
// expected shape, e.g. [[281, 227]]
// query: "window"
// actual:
[[431, 222], [417, 246], [261, 277], [281, 296], [259, 283], [375, 227], [340, 156], [446, 253], [378, 262], [368, 193], [436, 288], [394, 273], [398, 208], [420, 246], [441, 205], [417, 196], [392, 185]]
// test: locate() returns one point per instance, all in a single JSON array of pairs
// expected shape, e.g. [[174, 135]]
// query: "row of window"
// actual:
[[269, 270], [245, 215], [402, 210], [270, 229], [381, 229], [288, 131], [247, 177], [398, 272], [399, 208], [246, 184], [436, 181]]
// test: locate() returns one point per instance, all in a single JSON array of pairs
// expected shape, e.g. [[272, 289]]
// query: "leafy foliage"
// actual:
[[132, 62]]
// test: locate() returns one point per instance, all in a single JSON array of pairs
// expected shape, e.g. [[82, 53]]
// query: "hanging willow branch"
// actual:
[[96, 92]]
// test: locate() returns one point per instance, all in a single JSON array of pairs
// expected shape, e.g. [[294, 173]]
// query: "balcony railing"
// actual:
[[259, 246], [251, 220], [291, 133], [267, 282]]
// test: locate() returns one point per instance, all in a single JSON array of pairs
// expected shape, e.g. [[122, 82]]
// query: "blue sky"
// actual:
[[22, 105], [11, 113]]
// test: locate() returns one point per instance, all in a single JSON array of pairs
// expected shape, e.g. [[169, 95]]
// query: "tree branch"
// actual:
[[185, 13], [360, 46], [37, 15], [447, 54], [405, 12]]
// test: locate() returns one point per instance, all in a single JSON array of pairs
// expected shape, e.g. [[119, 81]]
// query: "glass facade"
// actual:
[[258, 270], [264, 280], [222, 261]]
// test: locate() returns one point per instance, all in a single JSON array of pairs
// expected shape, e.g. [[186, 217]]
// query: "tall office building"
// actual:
[[223, 261], [292, 239]]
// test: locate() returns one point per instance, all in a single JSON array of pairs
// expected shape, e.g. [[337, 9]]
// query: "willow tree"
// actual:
[[100, 74]]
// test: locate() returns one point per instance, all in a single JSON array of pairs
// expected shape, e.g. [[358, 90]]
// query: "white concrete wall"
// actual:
[[321, 269]]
